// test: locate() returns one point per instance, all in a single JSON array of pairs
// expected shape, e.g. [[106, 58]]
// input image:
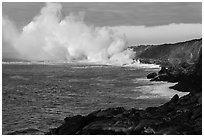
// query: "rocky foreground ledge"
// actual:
[[180, 116]]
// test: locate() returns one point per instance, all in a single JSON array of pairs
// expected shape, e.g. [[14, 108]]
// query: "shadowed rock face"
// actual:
[[178, 116], [189, 77], [152, 75]]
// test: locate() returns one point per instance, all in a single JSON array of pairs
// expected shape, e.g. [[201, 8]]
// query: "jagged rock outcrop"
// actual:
[[189, 77], [152, 75], [180, 116]]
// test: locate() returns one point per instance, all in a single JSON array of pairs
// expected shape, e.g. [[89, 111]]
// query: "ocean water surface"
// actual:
[[37, 97]]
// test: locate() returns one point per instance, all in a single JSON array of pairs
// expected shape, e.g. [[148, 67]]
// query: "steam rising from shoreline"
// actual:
[[49, 37], [52, 37]]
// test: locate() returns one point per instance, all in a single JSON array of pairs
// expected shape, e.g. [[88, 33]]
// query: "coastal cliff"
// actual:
[[169, 54]]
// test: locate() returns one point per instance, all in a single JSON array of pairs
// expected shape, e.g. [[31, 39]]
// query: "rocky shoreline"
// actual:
[[179, 116]]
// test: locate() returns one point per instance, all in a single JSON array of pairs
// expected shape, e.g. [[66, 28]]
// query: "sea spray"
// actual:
[[51, 37]]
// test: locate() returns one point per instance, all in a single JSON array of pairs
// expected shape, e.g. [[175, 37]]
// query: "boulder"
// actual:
[[152, 75], [71, 125], [163, 70], [175, 98]]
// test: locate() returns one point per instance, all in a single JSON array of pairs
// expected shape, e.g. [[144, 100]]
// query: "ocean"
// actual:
[[38, 96]]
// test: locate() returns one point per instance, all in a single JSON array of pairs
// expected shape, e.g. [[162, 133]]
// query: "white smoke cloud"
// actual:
[[10, 32], [49, 37]]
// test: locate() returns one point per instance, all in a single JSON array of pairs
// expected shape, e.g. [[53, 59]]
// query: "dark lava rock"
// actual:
[[174, 99], [152, 75], [188, 76], [162, 71], [28, 131], [174, 117], [164, 77], [71, 125]]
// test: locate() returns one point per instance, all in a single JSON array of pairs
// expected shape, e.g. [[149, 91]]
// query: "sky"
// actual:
[[140, 23], [115, 14]]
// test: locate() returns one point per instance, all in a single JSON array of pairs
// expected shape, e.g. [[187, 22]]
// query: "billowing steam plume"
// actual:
[[49, 37]]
